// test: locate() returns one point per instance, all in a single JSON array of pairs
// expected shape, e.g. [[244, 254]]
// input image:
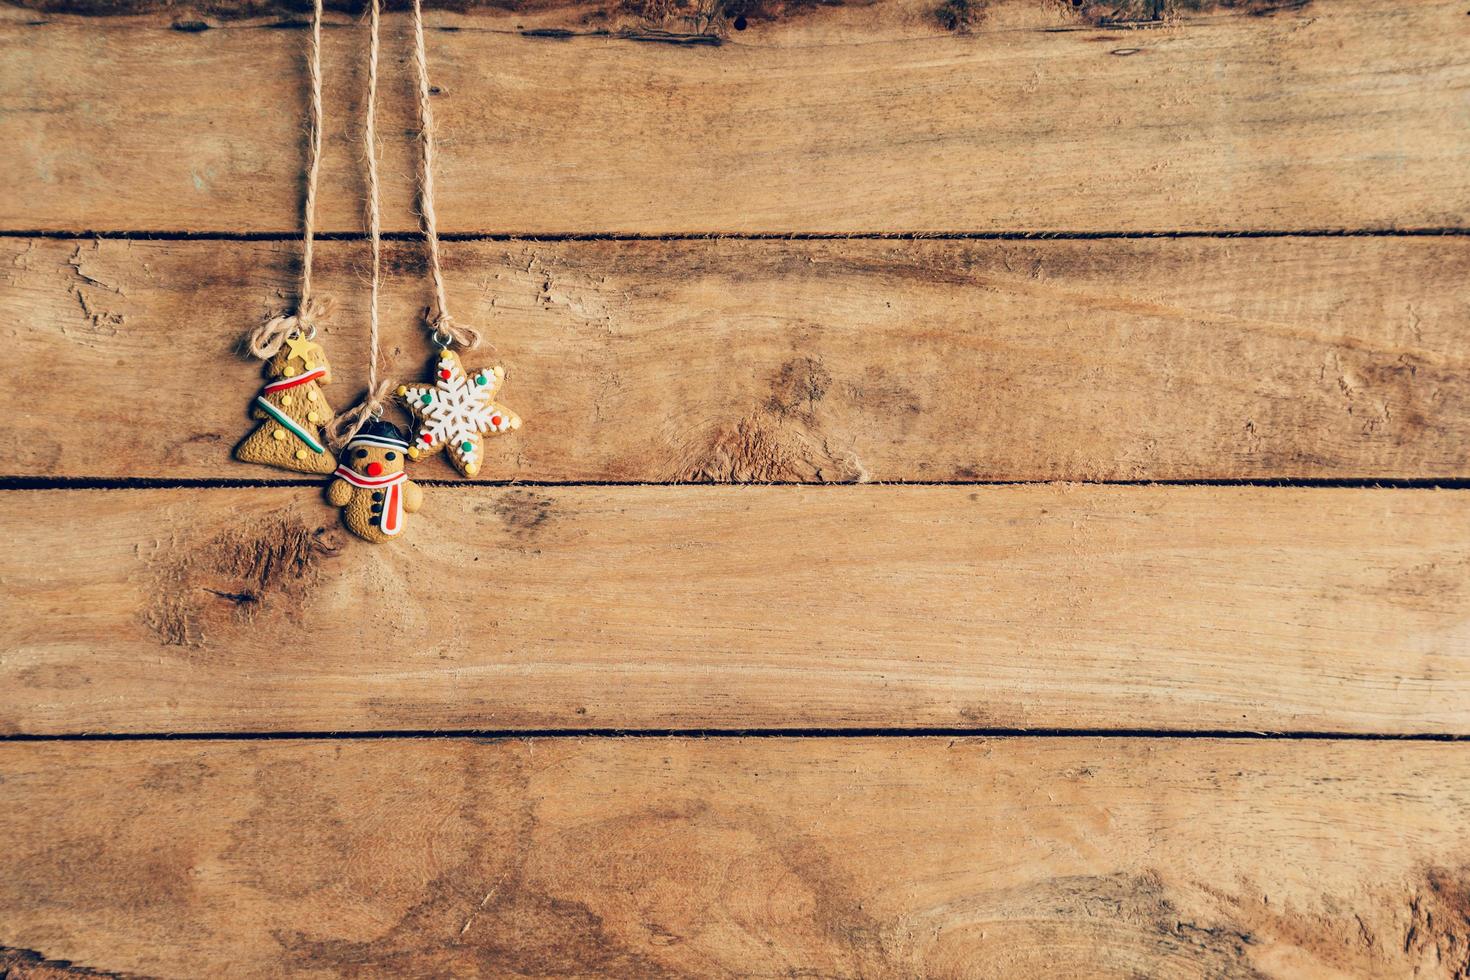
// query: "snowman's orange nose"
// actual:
[[375, 469]]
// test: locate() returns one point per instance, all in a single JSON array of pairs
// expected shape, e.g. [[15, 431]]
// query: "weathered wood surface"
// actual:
[[906, 115], [245, 610], [765, 858], [786, 361]]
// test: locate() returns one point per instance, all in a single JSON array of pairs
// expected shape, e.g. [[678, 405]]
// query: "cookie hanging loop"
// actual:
[[267, 338], [448, 332]]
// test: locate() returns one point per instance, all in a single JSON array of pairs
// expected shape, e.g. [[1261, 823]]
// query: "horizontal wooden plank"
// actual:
[[682, 607], [751, 858], [906, 115], [773, 361]]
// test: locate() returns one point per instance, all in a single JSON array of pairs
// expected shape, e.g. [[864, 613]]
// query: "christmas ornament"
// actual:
[[458, 408], [456, 412], [370, 485], [291, 407], [293, 411]]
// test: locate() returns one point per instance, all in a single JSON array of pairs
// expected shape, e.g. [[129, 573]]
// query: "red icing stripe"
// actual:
[[285, 383], [393, 510]]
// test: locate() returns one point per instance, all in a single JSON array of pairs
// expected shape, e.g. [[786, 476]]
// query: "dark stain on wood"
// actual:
[[669, 21], [524, 512], [1439, 921], [798, 385], [239, 574], [1143, 13], [960, 16], [27, 964]]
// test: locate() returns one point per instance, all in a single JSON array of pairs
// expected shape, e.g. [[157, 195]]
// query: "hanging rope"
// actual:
[[446, 330], [266, 340], [347, 425]]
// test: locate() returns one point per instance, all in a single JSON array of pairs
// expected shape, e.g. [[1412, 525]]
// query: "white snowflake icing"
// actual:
[[456, 411]]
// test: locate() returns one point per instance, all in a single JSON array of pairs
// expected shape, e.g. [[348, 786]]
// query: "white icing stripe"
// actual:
[[375, 441]]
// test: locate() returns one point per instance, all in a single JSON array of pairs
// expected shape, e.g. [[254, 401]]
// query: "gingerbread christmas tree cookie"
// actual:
[[457, 411], [292, 410]]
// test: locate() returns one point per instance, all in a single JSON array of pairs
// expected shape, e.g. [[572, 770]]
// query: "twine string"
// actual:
[[265, 340], [445, 330], [349, 423], [313, 166]]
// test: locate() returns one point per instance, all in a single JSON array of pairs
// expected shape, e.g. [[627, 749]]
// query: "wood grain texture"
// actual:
[[786, 361], [750, 858], [682, 607], [906, 115]]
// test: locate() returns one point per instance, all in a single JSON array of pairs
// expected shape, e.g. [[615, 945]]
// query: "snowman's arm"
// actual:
[[413, 496], [339, 492]]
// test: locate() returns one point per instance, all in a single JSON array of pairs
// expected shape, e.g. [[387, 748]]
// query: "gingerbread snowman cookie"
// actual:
[[292, 411], [370, 485]]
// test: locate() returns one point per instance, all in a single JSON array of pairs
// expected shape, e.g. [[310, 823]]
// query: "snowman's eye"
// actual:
[[362, 454], [391, 457]]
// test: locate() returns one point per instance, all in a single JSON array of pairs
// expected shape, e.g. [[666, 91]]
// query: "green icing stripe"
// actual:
[[290, 423]]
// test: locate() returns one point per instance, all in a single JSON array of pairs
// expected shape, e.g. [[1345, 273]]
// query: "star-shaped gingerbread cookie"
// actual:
[[456, 411]]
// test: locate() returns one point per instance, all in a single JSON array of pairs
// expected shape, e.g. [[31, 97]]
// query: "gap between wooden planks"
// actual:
[[1184, 608], [731, 857], [769, 361], [861, 118]]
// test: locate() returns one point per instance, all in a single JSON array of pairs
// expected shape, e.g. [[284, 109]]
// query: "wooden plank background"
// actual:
[[665, 607], [791, 361], [1031, 116], [738, 857], [884, 244]]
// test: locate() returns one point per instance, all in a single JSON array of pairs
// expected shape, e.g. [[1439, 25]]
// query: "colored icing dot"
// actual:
[[466, 446], [495, 420], [290, 372], [285, 399], [301, 454], [313, 417], [444, 374], [311, 396], [427, 438], [427, 398], [479, 379], [279, 435]]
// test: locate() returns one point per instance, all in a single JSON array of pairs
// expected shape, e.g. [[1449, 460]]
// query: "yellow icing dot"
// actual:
[[279, 435], [301, 454], [313, 417], [285, 399], [290, 372], [311, 396], [403, 389], [470, 469]]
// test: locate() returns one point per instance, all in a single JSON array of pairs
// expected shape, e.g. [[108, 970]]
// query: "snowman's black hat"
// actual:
[[376, 432]]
